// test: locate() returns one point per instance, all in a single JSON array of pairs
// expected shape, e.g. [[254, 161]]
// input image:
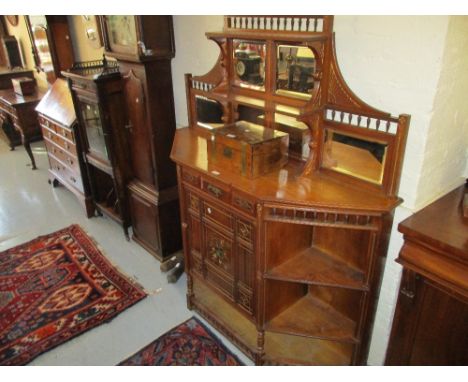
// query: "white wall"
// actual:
[[445, 156], [194, 54], [400, 64]]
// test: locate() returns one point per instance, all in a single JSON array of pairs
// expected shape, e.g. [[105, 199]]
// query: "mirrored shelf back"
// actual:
[[281, 72]]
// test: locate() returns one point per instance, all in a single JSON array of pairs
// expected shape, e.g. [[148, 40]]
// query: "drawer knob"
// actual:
[[209, 210]]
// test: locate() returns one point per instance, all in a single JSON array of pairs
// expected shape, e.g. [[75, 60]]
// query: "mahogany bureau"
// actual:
[[430, 326], [58, 123]]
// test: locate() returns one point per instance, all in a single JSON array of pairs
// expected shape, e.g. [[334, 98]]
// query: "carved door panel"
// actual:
[[219, 261], [139, 134]]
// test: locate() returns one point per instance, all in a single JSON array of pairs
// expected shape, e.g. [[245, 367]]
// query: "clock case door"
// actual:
[[154, 39]]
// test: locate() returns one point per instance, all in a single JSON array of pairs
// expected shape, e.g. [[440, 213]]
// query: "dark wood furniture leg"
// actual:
[[27, 146]]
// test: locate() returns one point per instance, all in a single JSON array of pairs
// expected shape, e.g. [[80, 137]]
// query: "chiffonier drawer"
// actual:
[[63, 155], [216, 190], [244, 203], [65, 173], [59, 140], [191, 177]]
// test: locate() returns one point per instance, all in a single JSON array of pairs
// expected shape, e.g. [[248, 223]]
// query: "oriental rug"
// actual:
[[188, 344], [54, 288]]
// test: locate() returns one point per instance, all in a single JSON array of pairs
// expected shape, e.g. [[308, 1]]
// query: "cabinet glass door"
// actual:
[[94, 132]]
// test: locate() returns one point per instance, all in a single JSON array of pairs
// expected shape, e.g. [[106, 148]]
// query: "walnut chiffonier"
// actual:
[[430, 326], [59, 125], [284, 249]]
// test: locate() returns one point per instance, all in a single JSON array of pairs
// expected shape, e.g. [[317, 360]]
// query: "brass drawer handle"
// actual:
[[214, 190], [244, 204]]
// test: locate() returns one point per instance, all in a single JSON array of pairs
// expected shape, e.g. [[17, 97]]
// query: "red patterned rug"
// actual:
[[189, 344], [52, 289]]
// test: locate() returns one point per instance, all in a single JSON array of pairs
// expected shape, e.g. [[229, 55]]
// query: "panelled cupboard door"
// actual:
[[430, 327], [140, 134]]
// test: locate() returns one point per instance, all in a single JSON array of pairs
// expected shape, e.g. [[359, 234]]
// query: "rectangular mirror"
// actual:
[[249, 64], [294, 71], [359, 157], [209, 112]]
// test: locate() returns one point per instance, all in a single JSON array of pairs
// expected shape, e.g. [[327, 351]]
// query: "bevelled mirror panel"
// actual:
[[358, 157], [295, 71], [249, 64], [209, 112]]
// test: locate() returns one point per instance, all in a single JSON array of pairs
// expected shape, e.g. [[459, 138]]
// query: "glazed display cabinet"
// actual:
[[97, 92]]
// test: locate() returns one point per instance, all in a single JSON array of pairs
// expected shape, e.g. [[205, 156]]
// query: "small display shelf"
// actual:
[[311, 317], [313, 266]]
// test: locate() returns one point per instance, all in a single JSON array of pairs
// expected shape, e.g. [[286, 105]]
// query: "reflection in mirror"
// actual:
[[299, 134], [295, 70], [364, 159], [209, 112], [38, 28], [250, 114], [249, 63]]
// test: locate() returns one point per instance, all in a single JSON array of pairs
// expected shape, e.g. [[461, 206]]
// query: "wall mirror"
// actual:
[[51, 44], [295, 68], [37, 28], [358, 157], [249, 64], [209, 112]]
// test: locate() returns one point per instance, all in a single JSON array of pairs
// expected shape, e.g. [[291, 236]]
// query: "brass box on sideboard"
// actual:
[[248, 149]]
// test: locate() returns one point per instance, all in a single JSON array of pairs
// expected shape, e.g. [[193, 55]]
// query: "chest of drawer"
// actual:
[[58, 140], [7, 108], [65, 173], [63, 155]]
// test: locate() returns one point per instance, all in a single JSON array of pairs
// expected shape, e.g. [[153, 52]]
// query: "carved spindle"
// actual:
[[333, 115], [377, 124], [335, 218], [347, 218], [341, 117], [315, 24], [307, 24], [387, 126], [368, 122], [359, 120], [325, 216], [349, 118]]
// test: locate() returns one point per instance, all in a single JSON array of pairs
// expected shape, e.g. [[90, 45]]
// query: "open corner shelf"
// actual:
[[311, 317], [314, 266]]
